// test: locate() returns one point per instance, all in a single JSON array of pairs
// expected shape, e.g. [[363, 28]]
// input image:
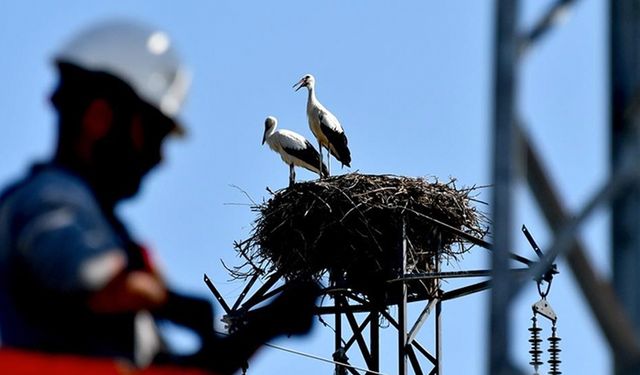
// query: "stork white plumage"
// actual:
[[294, 149], [324, 125]]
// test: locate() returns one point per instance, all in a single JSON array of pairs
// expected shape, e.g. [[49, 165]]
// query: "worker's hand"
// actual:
[[187, 311], [129, 291], [292, 311]]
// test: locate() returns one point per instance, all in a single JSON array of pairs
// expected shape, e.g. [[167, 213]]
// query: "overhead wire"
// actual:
[[313, 356], [319, 358]]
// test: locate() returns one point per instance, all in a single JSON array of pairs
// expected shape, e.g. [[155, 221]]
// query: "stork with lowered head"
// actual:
[[294, 149]]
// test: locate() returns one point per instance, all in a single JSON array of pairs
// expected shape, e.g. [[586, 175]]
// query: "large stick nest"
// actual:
[[351, 226]]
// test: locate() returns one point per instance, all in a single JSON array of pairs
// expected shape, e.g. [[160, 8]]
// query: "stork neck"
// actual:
[[270, 132], [312, 94]]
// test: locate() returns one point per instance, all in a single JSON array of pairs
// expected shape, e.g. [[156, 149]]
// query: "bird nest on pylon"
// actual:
[[352, 226]]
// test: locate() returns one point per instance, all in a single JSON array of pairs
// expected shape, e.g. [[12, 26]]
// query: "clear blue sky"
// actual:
[[411, 84]]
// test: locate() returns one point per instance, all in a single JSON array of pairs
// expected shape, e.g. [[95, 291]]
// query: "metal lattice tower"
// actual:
[[512, 145]]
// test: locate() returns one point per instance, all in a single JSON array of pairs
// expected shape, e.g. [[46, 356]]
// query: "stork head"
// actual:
[[307, 81], [269, 125]]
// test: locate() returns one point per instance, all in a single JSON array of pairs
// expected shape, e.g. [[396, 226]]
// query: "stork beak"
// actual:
[[300, 84], [264, 138]]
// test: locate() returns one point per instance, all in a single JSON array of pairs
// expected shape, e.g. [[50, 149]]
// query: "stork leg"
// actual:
[[329, 161], [292, 175], [320, 166]]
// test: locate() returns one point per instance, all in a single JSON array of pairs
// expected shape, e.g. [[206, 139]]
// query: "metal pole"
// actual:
[[402, 307], [340, 370], [438, 325], [505, 60], [374, 336], [438, 365], [625, 146]]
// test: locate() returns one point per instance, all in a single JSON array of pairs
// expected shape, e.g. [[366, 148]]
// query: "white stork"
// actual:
[[324, 125], [294, 149]]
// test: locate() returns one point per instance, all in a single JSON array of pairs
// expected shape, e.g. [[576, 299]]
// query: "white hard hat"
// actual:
[[140, 55]]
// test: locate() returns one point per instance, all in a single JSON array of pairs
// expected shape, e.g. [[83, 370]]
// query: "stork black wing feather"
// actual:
[[339, 150], [309, 155]]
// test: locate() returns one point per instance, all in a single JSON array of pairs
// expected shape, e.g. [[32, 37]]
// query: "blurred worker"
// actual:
[[72, 278]]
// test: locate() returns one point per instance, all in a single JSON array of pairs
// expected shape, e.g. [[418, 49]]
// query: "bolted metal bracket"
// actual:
[[543, 308]]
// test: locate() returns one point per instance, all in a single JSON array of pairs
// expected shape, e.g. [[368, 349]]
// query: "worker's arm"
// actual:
[[69, 248]]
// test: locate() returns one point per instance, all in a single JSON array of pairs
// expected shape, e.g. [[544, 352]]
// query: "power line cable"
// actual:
[[316, 357], [313, 356]]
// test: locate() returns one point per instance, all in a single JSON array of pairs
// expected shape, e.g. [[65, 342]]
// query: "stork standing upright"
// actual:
[[324, 125], [294, 149]]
